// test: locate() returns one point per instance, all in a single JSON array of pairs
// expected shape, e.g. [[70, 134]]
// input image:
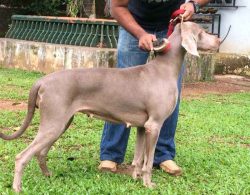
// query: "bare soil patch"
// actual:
[[12, 105], [222, 84]]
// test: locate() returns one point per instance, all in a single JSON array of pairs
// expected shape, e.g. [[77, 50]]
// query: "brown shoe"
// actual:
[[171, 168], [108, 165]]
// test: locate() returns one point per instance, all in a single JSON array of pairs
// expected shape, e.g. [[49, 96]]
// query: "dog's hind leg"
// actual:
[[139, 152], [41, 156], [51, 128]]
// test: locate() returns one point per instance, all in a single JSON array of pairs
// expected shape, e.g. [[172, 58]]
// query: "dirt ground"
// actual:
[[222, 84]]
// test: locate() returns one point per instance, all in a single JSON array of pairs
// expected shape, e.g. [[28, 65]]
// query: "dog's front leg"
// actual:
[[152, 133], [139, 153]]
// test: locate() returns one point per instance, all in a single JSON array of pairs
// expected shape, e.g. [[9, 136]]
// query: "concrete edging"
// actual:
[[47, 58]]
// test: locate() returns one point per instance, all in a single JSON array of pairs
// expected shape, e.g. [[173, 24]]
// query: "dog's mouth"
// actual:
[[210, 50]]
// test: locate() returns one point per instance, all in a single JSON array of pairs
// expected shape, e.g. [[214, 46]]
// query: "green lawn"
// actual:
[[213, 148]]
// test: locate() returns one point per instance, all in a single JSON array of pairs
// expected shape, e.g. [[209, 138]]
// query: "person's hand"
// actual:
[[189, 11], [146, 41]]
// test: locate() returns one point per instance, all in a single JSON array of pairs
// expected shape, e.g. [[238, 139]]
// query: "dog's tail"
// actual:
[[31, 110]]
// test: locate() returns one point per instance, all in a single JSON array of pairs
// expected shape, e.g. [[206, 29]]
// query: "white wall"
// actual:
[[238, 40]]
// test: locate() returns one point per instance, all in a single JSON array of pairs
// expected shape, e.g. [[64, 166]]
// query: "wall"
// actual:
[[47, 58], [238, 40]]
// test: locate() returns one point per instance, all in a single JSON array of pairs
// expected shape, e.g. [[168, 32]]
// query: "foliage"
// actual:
[[213, 141], [37, 7], [73, 8], [82, 8], [15, 3], [47, 7]]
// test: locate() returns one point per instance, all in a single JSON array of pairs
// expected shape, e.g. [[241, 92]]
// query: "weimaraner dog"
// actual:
[[142, 96]]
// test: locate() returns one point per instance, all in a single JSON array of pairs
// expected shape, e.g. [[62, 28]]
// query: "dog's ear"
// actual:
[[189, 36]]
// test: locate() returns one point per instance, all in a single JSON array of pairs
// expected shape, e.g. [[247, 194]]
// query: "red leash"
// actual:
[[174, 20]]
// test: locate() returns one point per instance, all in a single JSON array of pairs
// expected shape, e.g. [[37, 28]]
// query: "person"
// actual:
[[141, 23]]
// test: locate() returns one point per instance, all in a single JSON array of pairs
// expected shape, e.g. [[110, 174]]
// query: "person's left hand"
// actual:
[[189, 10]]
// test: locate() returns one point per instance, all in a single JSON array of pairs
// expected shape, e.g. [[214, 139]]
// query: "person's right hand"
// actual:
[[146, 41]]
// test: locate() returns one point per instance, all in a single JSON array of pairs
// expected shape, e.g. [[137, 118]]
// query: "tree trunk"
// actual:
[[199, 68]]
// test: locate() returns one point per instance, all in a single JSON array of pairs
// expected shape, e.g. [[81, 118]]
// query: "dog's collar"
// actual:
[[161, 46]]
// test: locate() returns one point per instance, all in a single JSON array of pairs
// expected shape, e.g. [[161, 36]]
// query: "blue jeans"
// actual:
[[115, 136]]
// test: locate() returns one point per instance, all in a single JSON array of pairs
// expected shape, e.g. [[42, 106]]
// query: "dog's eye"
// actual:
[[201, 33]]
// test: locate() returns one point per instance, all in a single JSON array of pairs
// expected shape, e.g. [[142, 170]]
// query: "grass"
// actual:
[[15, 84], [213, 148]]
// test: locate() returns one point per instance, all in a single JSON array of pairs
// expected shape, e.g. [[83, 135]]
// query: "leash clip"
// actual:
[[179, 17]]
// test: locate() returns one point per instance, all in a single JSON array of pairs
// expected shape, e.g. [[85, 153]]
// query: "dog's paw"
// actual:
[[47, 174], [147, 180], [17, 188], [137, 174], [149, 184]]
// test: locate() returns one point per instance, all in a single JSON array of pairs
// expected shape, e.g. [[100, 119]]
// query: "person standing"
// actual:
[[142, 22]]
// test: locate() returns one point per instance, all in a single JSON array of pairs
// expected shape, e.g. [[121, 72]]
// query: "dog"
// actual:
[[141, 96]]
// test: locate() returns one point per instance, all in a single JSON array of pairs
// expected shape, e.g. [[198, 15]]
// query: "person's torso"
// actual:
[[153, 14]]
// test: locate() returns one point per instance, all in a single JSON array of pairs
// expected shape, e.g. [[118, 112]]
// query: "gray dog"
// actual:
[[142, 96]]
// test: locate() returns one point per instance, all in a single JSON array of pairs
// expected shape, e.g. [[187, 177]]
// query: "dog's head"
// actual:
[[195, 38]]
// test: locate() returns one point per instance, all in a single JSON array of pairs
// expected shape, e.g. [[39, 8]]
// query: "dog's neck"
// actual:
[[173, 59]]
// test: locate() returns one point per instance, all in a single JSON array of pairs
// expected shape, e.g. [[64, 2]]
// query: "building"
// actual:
[[238, 39]]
